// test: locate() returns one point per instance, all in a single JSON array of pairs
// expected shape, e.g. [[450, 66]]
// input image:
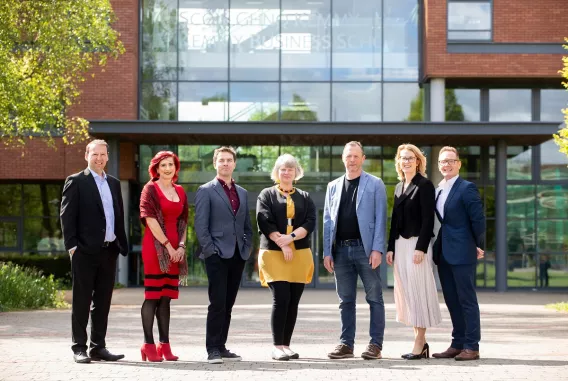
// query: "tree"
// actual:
[[454, 111], [47, 47], [562, 137]]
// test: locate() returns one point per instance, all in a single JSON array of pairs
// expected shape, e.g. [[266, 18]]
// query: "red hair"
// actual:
[[156, 160]]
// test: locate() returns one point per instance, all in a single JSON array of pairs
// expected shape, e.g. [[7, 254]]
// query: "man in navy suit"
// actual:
[[456, 251], [224, 232]]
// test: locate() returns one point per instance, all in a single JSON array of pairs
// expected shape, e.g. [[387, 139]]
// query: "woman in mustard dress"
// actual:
[[286, 217]]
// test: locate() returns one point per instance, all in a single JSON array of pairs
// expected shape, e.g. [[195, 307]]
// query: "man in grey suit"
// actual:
[[354, 224], [224, 232]]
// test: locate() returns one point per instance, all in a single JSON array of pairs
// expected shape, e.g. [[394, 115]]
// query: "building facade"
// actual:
[[287, 76]]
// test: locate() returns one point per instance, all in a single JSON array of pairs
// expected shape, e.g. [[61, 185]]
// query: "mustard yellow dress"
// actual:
[[271, 264]]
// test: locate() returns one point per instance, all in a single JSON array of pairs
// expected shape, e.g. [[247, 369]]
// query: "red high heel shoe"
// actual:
[[165, 350], [148, 351]]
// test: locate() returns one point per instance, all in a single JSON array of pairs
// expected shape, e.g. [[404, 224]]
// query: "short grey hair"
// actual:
[[96, 142], [287, 161]]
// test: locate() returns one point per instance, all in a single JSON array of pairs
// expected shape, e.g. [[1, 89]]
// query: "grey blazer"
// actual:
[[371, 213], [218, 229]]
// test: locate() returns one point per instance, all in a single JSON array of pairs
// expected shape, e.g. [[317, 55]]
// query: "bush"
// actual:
[[58, 265], [25, 288]]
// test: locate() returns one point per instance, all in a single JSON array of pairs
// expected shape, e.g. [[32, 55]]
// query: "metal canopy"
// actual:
[[310, 133]]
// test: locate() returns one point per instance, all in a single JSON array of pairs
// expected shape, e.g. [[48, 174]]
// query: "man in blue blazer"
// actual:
[[456, 251], [354, 240], [224, 231]]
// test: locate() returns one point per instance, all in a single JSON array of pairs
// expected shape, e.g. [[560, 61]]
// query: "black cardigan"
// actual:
[[413, 212], [271, 216]]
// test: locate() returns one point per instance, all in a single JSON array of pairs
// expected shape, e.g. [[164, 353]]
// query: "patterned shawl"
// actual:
[[150, 207]]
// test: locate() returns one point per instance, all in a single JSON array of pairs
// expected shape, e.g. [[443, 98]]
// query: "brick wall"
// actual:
[[514, 21]]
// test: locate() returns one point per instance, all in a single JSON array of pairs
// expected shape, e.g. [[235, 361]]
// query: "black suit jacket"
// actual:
[[413, 212], [82, 215]]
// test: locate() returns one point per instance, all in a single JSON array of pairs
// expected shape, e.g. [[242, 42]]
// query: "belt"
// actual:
[[349, 242], [107, 243]]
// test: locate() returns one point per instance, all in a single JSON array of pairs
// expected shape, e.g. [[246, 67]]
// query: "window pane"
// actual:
[[509, 105], [400, 40], [43, 235], [489, 194], [159, 39], [373, 163], [553, 271], [8, 234], [356, 44], [158, 101], [203, 40], [553, 163], [315, 162], [253, 102], [552, 201], [522, 271], [469, 35], [11, 199], [203, 101], [462, 105], [305, 40], [42, 199], [553, 235], [490, 235], [255, 46], [520, 201], [519, 163], [551, 104], [356, 102], [469, 16], [389, 170], [520, 236], [305, 101], [470, 158], [255, 163], [402, 101]]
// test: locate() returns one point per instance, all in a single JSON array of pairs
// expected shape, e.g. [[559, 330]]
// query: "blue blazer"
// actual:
[[463, 225], [371, 209], [217, 228]]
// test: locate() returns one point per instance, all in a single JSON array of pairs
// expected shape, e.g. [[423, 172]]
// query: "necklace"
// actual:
[[291, 191]]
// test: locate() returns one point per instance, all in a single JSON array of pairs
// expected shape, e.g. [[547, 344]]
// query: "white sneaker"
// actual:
[[279, 355], [291, 354]]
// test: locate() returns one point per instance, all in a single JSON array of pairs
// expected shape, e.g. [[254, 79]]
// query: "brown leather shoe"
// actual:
[[467, 355], [373, 352], [449, 353], [342, 351]]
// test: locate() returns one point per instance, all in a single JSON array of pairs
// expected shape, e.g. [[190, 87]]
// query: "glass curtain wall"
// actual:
[[280, 60]]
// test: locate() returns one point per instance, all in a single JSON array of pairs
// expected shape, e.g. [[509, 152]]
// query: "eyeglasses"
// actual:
[[449, 161], [409, 159]]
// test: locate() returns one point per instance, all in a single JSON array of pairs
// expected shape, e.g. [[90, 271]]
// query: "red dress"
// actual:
[[157, 283]]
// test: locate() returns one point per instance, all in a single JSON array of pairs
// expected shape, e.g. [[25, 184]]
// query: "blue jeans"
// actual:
[[350, 262]]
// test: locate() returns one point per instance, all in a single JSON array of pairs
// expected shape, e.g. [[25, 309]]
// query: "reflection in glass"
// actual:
[[255, 43], [552, 201], [509, 105], [551, 104], [519, 163], [389, 171], [203, 40], [402, 101], [470, 157], [356, 45], [400, 40], [553, 236], [197, 273], [42, 199], [305, 102], [255, 163], [356, 102], [11, 199], [553, 270], [158, 101], [253, 102], [203, 101], [463, 105], [468, 35], [520, 236], [469, 20], [553, 163], [159, 40], [373, 164], [305, 40], [521, 270], [315, 162], [251, 266], [490, 235], [324, 277], [8, 234], [43, 235], [520, 201]]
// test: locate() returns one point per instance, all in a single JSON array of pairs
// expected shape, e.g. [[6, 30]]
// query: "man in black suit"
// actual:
[[92, 220]]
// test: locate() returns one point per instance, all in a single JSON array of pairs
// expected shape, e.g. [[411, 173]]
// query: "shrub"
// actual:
[[58, 265], [26, 288]]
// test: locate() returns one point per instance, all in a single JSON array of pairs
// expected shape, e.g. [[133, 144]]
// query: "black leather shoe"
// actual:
[[81, 358], [424, 355], [103, 354]]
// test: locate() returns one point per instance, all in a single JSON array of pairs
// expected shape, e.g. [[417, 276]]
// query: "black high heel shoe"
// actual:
[[424, 355]]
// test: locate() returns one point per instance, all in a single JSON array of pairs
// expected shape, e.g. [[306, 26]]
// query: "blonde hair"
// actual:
[[421, 160], [287, 161], [96, 142], [450, 149]]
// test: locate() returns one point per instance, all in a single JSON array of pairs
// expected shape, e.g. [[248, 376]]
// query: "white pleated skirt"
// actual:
[[415, 295]]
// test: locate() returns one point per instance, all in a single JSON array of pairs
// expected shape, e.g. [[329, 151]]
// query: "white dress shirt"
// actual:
[[443, 190]]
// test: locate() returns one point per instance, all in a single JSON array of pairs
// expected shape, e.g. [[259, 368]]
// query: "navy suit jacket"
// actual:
[[463, 226]]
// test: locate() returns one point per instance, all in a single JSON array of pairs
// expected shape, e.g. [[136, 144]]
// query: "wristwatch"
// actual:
[[293, 236]]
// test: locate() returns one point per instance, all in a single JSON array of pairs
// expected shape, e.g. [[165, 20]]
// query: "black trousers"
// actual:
[[93, 279], [286, 297], [224, 277]]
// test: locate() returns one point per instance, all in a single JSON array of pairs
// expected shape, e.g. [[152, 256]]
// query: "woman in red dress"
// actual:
[[163, 210]]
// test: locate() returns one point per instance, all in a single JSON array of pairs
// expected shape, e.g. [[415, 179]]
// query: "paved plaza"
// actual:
[[521, 340]]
